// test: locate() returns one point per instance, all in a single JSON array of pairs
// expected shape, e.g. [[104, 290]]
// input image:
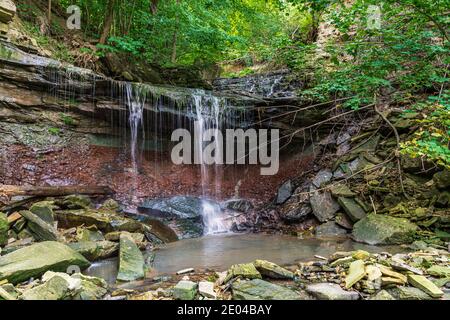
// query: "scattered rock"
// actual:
[[272, 270], [40, 229], [378, 229], [131, 260], [44, 210], [442, 179], [206, 289], [258, 289], [284, 192], [439, 271], [106, 221], [4, 227], [85, 234], [75, 202], [425, 285], [240, 205], [322, 177], [7, 11], [352, 209], [56, 288], [408, 293], [111, 205], [330, 291], [185, 290], [246, 270], [355, 273], [329, 230], [92, 288], [35, 260], [95, 250], [341, 190], [344, 221], [323, 205], [383, 295]]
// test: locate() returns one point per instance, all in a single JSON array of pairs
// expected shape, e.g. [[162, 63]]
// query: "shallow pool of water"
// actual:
[[220, 252]]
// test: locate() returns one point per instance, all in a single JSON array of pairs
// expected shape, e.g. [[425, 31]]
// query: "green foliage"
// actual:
[[54, 131], [432, 139], [68, 120]]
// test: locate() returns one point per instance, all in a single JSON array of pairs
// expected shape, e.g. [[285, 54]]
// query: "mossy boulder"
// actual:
[[378, 229], [95, 250], [442, 179], [185, 290], [258, 289], [3, 229], [44, 210], [245, 270], [131, 260], [272, 270], [35, 260]]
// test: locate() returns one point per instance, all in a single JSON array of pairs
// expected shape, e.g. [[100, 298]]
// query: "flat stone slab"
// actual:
[[272, 270], [331, 291], [33, 261], [258, 289], [206, 289], [356, 272], [352, 209], [422, 283]]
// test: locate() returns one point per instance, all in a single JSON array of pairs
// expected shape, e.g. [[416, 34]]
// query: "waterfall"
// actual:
[[135, 99], [208, 113]]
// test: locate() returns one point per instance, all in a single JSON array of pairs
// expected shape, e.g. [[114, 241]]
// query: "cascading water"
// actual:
[[208, 113], [135, 100]]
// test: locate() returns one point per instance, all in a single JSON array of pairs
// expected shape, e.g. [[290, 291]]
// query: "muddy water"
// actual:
[[220, 252]]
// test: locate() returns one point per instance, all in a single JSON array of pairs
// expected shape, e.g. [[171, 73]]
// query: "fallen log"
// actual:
[[51, 191]]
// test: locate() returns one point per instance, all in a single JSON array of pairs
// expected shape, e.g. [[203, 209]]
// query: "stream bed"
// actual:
[[219, 252]]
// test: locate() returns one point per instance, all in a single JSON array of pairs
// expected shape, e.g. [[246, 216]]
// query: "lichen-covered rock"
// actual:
[[4, 226], [106, 221], [258, 289], [240, 205], [422, 283], [323, 205], [56, 288], [95, 250], [330, 291], [44, 210], [92, 288], [272, 270], [352, 209], [131, 260], [439, 271], [185, 290], [408, 293], [89, 234], [75, 202], [40, 229], [442, 179], [35, 260], [356, 272], [7, 10], [378, 229], [110, 204], [246, 270]]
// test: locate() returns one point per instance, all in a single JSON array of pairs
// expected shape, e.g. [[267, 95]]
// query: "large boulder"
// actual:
[[131, 260], [182, 213], [378, 229], [104, 220], [330, 229], [258, 289], [4, 226], [35, 260], [245, 270], [7, 10], [331, 291]]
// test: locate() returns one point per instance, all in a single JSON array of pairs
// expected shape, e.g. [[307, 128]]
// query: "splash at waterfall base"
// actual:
[[236, 149]]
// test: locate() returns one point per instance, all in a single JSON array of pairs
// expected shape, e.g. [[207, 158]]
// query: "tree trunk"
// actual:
[[154, 7], [53, 191], [175, 38], [109, 18], [49, 13]]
